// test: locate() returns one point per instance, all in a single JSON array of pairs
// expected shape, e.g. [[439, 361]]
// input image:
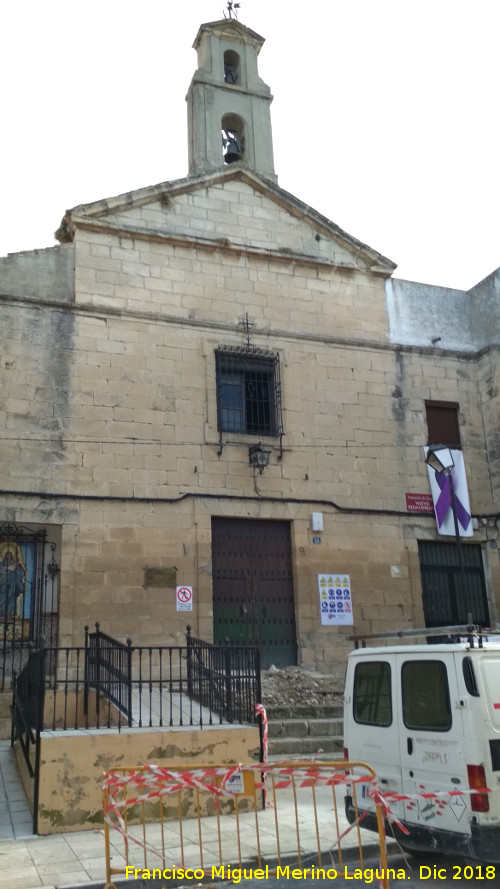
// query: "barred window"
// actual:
[[248, 390]]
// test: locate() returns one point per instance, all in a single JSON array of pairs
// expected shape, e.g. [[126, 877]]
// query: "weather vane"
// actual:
[[231, 10]]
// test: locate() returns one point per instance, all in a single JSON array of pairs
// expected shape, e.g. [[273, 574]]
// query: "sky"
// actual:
[[385, 116]]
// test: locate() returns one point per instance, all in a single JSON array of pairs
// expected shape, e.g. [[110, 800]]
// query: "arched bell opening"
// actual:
[[231, 66], [233, 138]]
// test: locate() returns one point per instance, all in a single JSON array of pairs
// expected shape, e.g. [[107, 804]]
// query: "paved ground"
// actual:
[[15, 816], [78, 859]]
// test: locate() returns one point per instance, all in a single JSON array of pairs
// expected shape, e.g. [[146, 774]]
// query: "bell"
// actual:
[[231, 154], [231, 148], [229, 75]]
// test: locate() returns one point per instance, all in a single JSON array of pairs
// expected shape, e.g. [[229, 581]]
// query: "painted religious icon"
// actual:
[[16, 575], [12, 580]]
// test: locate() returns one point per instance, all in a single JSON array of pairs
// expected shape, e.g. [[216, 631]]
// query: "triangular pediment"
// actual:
[[234, 208], [230, 29]]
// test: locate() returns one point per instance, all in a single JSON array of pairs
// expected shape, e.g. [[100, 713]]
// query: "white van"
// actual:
[[426, 717]]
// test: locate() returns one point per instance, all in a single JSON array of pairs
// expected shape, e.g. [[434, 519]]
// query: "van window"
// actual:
[[426, 698], [372, 704]]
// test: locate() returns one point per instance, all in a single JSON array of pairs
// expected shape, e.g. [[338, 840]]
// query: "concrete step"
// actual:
[[306, 737], [308, 746], [303, 710], [302, 728]]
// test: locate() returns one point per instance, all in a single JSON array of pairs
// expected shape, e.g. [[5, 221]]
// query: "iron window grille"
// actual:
[[248, 390]]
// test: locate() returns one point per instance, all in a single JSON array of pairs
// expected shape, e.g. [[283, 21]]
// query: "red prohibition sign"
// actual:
[[183, 594]]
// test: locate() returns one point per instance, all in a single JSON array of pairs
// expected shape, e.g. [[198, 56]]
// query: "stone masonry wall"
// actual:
[[111, 408]]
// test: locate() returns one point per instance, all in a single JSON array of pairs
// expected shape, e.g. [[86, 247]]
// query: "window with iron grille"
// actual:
[[248, 390]]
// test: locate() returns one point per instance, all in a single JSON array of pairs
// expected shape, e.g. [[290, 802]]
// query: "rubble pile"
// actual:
[[296, 691]]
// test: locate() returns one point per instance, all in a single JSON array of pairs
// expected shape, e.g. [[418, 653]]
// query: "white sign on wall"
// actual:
[[335, 601], [184, 598]]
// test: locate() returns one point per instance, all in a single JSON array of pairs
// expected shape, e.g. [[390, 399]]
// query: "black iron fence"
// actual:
[[110, 684], [28, 596], [108, 670], [27, 716], [224, 678]]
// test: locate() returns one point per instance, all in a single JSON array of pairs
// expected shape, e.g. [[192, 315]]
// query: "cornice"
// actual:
[[275, 333]]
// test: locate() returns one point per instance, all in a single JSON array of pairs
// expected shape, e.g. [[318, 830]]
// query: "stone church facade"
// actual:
[[184, 334]]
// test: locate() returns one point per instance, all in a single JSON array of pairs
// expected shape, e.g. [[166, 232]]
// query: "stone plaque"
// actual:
[[160, 577]]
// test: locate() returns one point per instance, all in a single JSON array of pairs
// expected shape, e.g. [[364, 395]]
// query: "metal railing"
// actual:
[[224, 678], [28, 599], [108, 670], [27, 716], [110, 684], [107, 684]]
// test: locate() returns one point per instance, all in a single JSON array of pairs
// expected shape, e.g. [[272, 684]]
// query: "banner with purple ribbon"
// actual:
[[442, 498]]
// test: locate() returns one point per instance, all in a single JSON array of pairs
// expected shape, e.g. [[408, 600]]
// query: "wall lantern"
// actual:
[[440, 458], [258, 457]]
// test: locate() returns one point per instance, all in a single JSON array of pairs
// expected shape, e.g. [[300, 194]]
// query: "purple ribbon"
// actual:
[[443, 502]]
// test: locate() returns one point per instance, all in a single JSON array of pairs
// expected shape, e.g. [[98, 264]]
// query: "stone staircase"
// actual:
[[305, 715], [320, 736]]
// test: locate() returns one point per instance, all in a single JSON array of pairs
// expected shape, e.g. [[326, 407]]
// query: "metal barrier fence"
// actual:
[[228, 822]]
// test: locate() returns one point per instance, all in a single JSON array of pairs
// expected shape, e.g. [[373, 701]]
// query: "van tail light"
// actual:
[[346, 755], [479, 802]]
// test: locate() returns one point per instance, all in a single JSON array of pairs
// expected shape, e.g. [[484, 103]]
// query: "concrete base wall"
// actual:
[[72, 764]]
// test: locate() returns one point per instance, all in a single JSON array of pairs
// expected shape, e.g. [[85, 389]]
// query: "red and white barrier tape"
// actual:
[[154, 782], [170, 781], [261, 711]]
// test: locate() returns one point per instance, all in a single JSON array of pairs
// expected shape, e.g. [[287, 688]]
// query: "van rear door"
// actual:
[[486, 703], [431, 741], [370, 720]]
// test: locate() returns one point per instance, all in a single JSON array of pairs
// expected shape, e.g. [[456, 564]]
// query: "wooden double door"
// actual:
[[253, 595]]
